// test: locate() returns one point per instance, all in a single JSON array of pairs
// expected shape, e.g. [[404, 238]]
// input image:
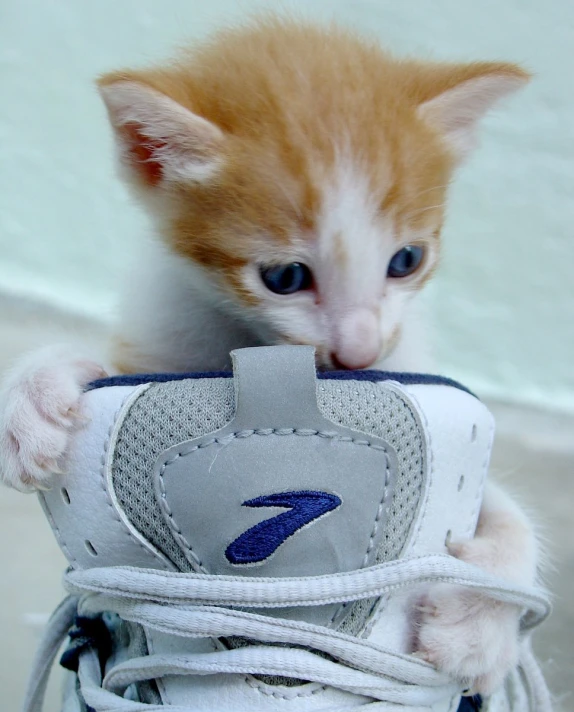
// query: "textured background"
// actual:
[[504, 299]]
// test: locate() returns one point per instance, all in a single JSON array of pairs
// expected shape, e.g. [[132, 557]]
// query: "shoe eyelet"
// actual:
[[91, 549]]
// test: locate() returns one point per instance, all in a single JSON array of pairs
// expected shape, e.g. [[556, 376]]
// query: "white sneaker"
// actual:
[[256, 543]]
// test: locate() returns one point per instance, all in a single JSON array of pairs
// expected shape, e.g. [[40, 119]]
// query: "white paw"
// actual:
[[464, 633], [39, 408]]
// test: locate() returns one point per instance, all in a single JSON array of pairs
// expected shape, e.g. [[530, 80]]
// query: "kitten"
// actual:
[[297, 179]]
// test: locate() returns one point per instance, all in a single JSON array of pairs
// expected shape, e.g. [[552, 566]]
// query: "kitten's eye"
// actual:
[[287, 279], [406, 261]]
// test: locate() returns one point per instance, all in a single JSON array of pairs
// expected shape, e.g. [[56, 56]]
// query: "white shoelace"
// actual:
[[197, 606]]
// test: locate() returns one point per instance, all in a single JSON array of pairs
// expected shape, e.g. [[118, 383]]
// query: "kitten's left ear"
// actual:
[[457, 97]]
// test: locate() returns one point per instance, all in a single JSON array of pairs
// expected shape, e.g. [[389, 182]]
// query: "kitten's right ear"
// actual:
[[159, 139], [454, 98]]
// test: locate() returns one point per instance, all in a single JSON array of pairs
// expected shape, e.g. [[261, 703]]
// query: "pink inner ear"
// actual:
[[142, 151]]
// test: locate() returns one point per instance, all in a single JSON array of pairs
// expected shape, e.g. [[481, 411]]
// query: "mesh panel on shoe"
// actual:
[[169, 413], [164, 415], [378, 410]]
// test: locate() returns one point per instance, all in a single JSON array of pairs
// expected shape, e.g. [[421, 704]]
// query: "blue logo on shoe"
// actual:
[[263, 539]]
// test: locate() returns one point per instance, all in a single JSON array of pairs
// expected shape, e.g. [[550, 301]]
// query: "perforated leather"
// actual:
[[89, 526]]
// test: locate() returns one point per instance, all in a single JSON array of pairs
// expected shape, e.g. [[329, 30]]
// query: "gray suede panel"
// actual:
[[171, 413], [278, 441]]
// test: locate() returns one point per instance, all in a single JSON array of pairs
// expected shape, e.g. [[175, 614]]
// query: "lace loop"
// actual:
[[372, 582], [210, 621], [262, 660]]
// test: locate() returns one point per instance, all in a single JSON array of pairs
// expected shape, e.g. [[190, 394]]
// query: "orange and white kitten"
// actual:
[[297, 179]]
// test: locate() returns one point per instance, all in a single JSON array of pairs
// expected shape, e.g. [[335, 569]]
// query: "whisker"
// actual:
[[427, 190], [423, 210]]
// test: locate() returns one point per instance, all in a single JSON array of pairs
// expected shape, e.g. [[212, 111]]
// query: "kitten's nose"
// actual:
[[357, 340]]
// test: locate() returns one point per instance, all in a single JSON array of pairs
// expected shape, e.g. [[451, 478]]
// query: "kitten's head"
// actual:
[[304, 171]]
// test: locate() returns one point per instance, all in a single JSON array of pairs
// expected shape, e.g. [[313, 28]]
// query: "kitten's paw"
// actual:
[[466, 634], [39, 407]]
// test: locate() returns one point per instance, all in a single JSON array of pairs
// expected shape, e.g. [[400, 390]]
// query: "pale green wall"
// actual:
[[504, 298]]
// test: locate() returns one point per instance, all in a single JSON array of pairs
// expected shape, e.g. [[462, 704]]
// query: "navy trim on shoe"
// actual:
[[86, 633], [373, 376], [262, 540], [470, 704]]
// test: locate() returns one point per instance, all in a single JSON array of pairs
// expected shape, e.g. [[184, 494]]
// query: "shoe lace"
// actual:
[[199, 606]]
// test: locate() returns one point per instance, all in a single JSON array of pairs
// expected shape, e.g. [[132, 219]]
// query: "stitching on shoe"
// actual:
[[103, 462], [268, 692], [175, 530], [379, 512], [380, 605], [161, 685], [339, 609], [130, 401], [431, 464], [264, 432], [243, 434]]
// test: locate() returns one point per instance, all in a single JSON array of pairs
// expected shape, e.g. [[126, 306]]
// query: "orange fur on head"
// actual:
[[237, 145]]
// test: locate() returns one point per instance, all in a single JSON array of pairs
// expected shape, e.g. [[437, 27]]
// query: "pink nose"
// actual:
[[358, 342]]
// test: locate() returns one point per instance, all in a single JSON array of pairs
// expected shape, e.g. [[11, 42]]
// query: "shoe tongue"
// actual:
[[280, 491]]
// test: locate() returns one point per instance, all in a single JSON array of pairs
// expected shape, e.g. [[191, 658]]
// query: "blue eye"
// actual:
[[406, 261], [287, 279]]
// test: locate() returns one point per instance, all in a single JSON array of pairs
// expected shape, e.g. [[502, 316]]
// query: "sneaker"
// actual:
[[255, 541]]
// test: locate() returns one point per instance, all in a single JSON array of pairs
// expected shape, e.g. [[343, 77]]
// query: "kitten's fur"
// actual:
[[273, 144]]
